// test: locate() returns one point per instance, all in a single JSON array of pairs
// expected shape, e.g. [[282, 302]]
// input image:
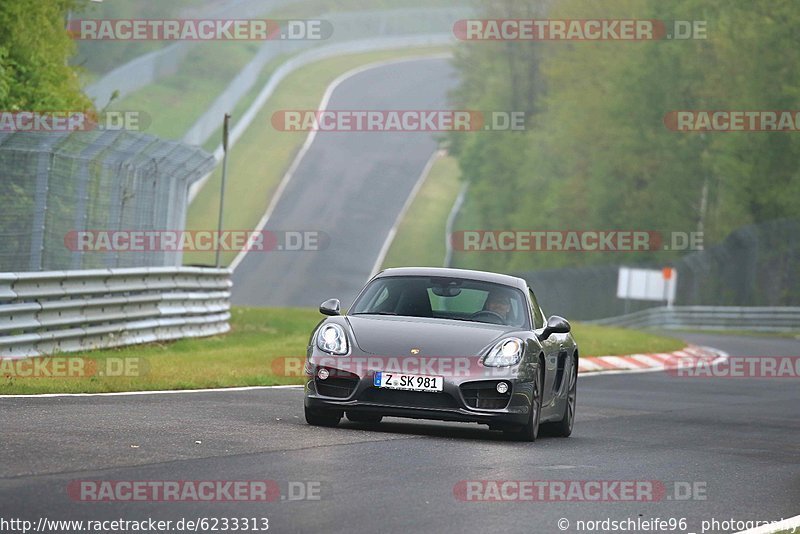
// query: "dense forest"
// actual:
[[596, 153]]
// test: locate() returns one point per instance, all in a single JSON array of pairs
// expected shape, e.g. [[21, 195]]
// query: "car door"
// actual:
[[552, 347]]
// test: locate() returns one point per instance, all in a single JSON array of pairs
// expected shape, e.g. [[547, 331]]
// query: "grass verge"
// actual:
[[260, 158], [260, 337], [241, 358], [420, 239], [175, 101], [594, 340]]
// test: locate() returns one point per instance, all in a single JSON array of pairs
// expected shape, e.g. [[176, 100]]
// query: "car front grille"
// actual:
[[340, 384], [484, 395], [411, 399]]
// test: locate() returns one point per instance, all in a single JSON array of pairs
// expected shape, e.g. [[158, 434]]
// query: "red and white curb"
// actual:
[[691, 356]]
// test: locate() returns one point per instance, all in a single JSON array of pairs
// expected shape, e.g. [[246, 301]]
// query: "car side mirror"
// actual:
[[330, 307], [555, 325]]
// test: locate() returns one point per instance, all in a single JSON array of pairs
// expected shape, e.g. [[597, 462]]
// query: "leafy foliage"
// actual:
[[34, 49], [597, 154]]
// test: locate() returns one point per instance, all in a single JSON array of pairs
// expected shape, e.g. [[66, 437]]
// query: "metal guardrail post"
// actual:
[[767, 319]]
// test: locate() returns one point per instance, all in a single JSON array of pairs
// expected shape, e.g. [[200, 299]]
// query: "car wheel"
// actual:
[[563, 428], [364, 418], [530, 431], [322, 417]]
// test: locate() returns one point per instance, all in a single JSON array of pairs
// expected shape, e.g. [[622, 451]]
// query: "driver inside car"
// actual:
[[498, 303]]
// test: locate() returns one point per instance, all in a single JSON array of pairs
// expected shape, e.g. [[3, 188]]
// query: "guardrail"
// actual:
[[299, 61], [43, 313], [355, 32], [153, 66], [775, 319]]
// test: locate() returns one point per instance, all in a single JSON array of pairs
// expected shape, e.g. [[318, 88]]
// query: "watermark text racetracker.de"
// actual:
[[573, 240], [787, 120], [196, 240], [67, 121], [147, 525], [579, 491], [72, 367], [406, 120], [579, 29], [366, 366], [199, 29], [195, 490], [739, 367]]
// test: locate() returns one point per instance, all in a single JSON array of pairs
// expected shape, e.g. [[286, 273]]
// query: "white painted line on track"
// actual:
[[721, 356], [313, 134], [155, 392], [621, 372], [451, 220], [387, 243]]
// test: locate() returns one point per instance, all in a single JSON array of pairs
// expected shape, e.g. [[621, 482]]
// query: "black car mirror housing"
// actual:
[[555, 325], [330, 307]]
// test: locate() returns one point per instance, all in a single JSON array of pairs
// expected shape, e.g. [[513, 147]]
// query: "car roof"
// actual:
[[483, 276]]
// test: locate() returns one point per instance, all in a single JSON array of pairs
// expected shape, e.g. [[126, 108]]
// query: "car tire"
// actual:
[[323, 417], [530, 431], [364, 418], [563, 428]]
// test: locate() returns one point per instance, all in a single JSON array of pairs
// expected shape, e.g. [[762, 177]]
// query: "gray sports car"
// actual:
[[444, 344]]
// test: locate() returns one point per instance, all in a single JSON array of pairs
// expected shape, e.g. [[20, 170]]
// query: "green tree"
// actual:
[[34, 53], [597, 153]]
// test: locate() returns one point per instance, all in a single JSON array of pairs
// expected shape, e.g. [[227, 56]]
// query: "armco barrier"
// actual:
[[355, 32], [773, 318], [153, 66], [306, 58], [43, 313]]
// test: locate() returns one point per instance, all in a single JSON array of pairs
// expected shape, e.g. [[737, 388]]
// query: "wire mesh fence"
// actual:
[[757, 265], [53, 185]]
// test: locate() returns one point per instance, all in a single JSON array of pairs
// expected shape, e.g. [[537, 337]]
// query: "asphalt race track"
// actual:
[[350, 185], [735, 441], [738, 438]]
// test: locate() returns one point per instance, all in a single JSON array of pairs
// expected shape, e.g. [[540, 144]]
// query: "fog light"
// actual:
[[502, 387], [323, 374]]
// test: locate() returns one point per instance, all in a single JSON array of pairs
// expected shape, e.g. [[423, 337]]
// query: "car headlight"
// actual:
[[505, 353], [332, 339]]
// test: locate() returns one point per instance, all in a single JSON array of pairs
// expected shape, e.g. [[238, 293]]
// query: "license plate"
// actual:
[[408, 382]]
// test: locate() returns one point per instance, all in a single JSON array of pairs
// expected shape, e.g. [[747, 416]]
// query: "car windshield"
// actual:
[[444, 298]]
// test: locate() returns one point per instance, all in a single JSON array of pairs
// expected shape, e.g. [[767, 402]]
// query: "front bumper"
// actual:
[[470, 398]]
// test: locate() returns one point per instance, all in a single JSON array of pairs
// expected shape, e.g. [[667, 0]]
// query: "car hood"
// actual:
[[396, 336]]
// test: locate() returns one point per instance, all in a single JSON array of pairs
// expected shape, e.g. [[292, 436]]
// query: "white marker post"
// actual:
[[225, 129]]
